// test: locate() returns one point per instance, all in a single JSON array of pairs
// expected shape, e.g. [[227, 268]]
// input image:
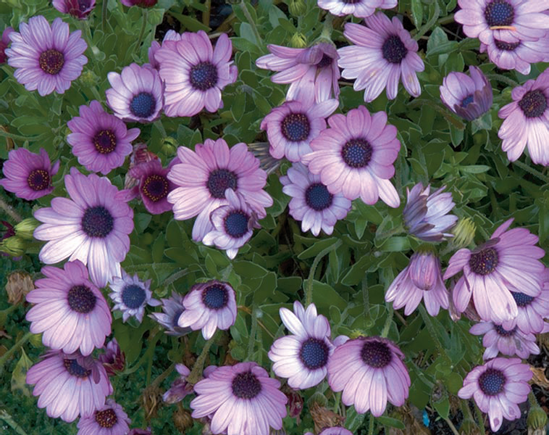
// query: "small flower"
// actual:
[[464, 233], [517, 55], [179, 388], [508, 342], [107, 420], [77, 8], [131, 296], [333, 431], [4, 43], [357, 8], [113, 359], [29, 175], [140, 3], [139, 155], [172, 307]]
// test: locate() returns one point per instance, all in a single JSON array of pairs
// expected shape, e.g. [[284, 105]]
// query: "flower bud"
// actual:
[[182, 420], [19, 284], [26, 227], [14, 246], [537, 421], [464, 233], [297, 8]]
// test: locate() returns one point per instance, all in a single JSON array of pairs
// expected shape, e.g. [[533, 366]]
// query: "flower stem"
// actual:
[[433, 333], [480, 418], [206, 13], [310, 280], [251, 22], [9, 210], [253, 332], [371, 425], [104, 12], [142, 31], [429, 24], [16, 136], [14, 349], [198, 366], [11, 422], [388, 321], [390, 233], [532, 171], [366, 303], [328, 27]]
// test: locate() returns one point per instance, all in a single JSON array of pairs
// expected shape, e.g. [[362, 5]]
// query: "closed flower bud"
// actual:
[[298, 40], [19, 284], [182, 420], [537, 421], [464, 233], [26, 227], [297, 8], [14, 246]]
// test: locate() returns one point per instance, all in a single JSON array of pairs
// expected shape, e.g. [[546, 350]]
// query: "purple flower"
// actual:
[[140, 3], [171, 35], [241, 400], [131, 296], [517, 55], [46, 58], [358, 8], [497, 387], [508, 261], [172, 307], [107, 420], [100, 141], [311, 202], [69, 385], [113, 359], [369, 371], [469, 97], [135, 93], [356, 155], [206, 173], [309, 71], [93, 226], [385, 52], [507, 341], [180, 388], [4, 43], [333, 431], [77, 8], [426, 216], [194, 73], [526, 121], [29, 175]]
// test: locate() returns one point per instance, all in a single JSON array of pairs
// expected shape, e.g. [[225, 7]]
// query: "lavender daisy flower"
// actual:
[[308, 71], [194, 73], [77, 8], [357, 8], [333, 431], [526, 121], [311, 202], [469, 97], [426, 216], [209, 306], [131, 296], [507, 341], [180, 388], [355, 157], [113, 359], [69, 385], [107, 420], [172, 307], [29, 175], [241, 400], [206, 173], [385, 53], [4, 43], [92, 226], [46, 58], [498, 387], [509, 260], [517, 55], [99, 140], [369, 371], [171, 35]]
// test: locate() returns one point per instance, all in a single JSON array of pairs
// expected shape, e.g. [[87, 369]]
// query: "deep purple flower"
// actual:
[[497, 387], [140, 3], [93, 226], [384, 54], [508, 261], [4, 43], [77, 8], [46, 58], [333, 431], [113, 359], [357, 8], [194, 73], [172, 307], [131, 296], [107, 420], [29, 175], [517, 55], [356, 155], [241, 400], [507, 341], [180, 388]]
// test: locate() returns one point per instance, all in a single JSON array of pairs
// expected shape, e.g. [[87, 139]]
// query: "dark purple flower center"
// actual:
[[317, 197], [51, 61], [215, 297], [325, 61], [219, 181], [107, 418], [143, 105], [521, 299], [97, 222], [236, 223], [314, 353], [203, 76], [533, 104], [357, 153], [156, 187], [491, 382], [133, 296], [467, 100], [105, 141], [296, 127], [75, 369], [499, 13], [506, 46], [504, 332], [175, 318], [39, 179], [246, 385], [484, 262], [376, 354], [394, 49], [81, 299]]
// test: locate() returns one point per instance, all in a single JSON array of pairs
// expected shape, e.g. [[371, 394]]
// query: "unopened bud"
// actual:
[[356, 333], [537, 421], [26, 227], [464, 233], [298, 40], [182, 420], [297, 8], [14, 246], [89, 78]]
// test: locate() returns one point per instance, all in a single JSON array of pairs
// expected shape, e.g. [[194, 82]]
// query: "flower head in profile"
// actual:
[[5, 43], [507, 341], [172, 307], [180, 388], [114, 360], [107, 420], [131, 296], [357, 8], [77, 8], [517, 55]]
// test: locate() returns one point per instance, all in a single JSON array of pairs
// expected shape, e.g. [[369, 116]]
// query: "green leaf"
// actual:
[[19, 374], [442, 407], [190, 23], [417, 13], [315, 249], [324, 295], [390, 422]]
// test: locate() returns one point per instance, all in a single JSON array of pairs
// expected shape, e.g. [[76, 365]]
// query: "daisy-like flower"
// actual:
[[498, 387], [206, 173], [469, 97], [172, 307], [311, 202], [136, 93], [509, 342], [131, 296], [107, 420], [46, 58], [384, 54], [308, 71], [357, 8], [171, 35], [241, 400], [509, 260], [426, 216], [333, 431], [113, 359], [527, 121], [69, 385], [29, 175], [194, 73], [180, 388], [355, 156], [209, 306], [70, 311], [92, 226], [4, 43], [517, 55], [100, 140], [369, 371], [77, 8]]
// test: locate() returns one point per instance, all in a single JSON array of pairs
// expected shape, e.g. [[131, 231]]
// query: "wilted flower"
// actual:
[[77, 8], [18, 286], [509, 342], [131, 296], [172, 307], [4, 43], [107, 420], [180, 387], [113, 359]]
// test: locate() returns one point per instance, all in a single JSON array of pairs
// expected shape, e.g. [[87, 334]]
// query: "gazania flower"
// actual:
[[369, 371], [204, 175], [69, 385], [107, 420], [172, 307], [180, 387], [92, 226], [209, 306], [527, 120], [131, 296], [195, 73], [100, 141], [384, 54], [4, 43], [29, 175], [509, 342], [358, 8], [517, 55], [46, 58], [77, 8], [241, 400], [333, 431], [509, 260], [113, 359], [498, 387], [356, 155]]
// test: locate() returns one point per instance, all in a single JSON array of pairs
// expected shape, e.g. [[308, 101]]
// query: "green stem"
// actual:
[[16, 136], [532, 399], [171, 279], [429, 25], [142, 31], [11, 422], [253, 332], [163, 375], [251, 22], [310, 280], [104, 13], [206, 13], [388, 321], [9, 210], [366, 303], [434, 336], [446, 20], [390, 233], [371, 425], [328, 27], [451, 425], [14, 349], [503, 79], [198, 366], [452, 119], [532, 171], [480, 419]]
